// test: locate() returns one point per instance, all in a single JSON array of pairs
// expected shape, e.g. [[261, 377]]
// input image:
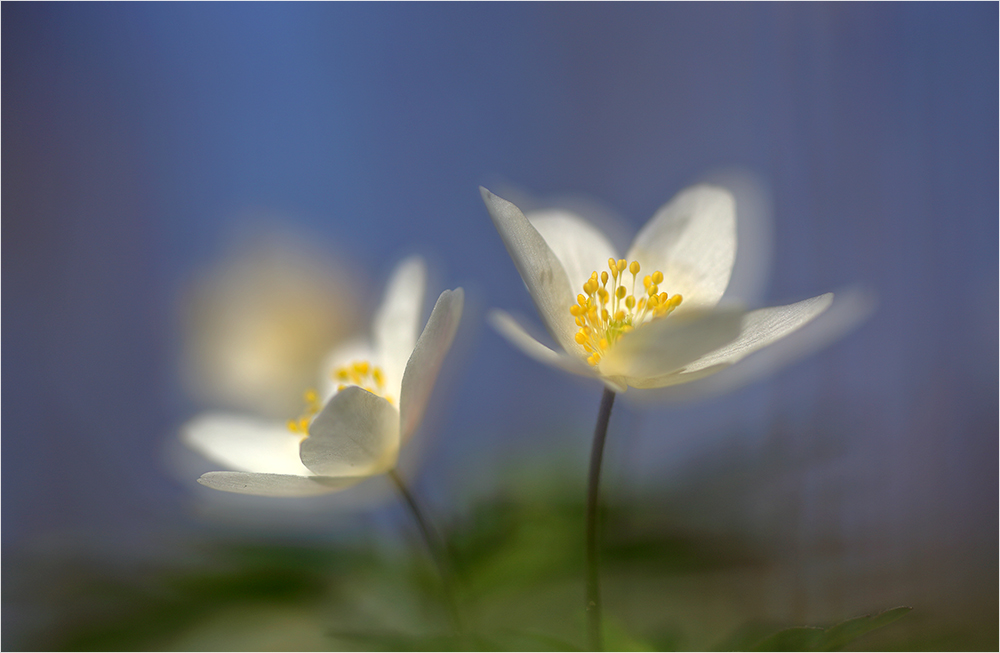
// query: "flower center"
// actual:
[[364, 375], [361, 373], [605, 315]]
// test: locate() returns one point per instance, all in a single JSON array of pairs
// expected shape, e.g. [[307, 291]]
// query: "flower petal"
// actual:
[[518, 336], [579, 246], [397, 321], [539, 267], [795, 331], [356, 434], [276, 485], [677, 377], [245, 443], [762, 327], [425, 362], [662, 346], [692, 241]]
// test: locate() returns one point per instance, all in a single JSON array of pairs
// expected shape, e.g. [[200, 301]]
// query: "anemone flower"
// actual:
[[372, 401], [649, 320]]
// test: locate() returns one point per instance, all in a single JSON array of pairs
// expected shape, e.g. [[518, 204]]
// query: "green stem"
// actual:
[[436, 550], [593, 486]]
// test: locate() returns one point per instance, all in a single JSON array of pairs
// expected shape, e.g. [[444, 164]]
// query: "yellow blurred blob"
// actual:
[[258, 323]]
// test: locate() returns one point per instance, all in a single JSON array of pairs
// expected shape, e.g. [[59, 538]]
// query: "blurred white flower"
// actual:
[[651, 319], [376, 394]]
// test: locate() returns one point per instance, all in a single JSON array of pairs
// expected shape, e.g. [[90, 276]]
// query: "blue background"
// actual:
[[135, 136]]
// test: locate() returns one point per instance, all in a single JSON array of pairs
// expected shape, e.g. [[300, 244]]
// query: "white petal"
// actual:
[[677, 377], [539, 267], [662, 346], [579, 246], [276, 485], [762, 327], [806, 327], [428, 354], [397, 321], [349, 352], [754, 232], [245, 443], [518, 336], [356, 433], [692, 241]]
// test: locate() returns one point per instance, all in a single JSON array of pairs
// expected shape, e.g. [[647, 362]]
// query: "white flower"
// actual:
[[651, 319], [377, 391]]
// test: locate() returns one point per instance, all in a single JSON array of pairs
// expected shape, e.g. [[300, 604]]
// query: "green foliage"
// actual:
[[518, 562], [828, 639]]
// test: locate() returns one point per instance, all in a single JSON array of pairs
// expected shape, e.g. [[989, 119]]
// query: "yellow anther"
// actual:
[[604, 315], [293, 426], [361, 367], [378, 376], [311, 396], [341, 374], [341, 387], [304, 424]]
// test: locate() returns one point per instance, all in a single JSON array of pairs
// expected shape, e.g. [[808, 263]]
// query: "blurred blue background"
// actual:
[[138, 138]]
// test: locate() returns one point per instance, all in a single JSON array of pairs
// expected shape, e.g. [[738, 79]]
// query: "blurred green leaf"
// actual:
[[617, 638], [829, 639], [507, 640]]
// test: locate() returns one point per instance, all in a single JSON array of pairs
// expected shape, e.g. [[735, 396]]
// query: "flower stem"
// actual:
[[436, 550], [593, 485]]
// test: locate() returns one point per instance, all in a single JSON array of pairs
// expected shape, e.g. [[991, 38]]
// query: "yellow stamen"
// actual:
[[604, 315], [358, 373]]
